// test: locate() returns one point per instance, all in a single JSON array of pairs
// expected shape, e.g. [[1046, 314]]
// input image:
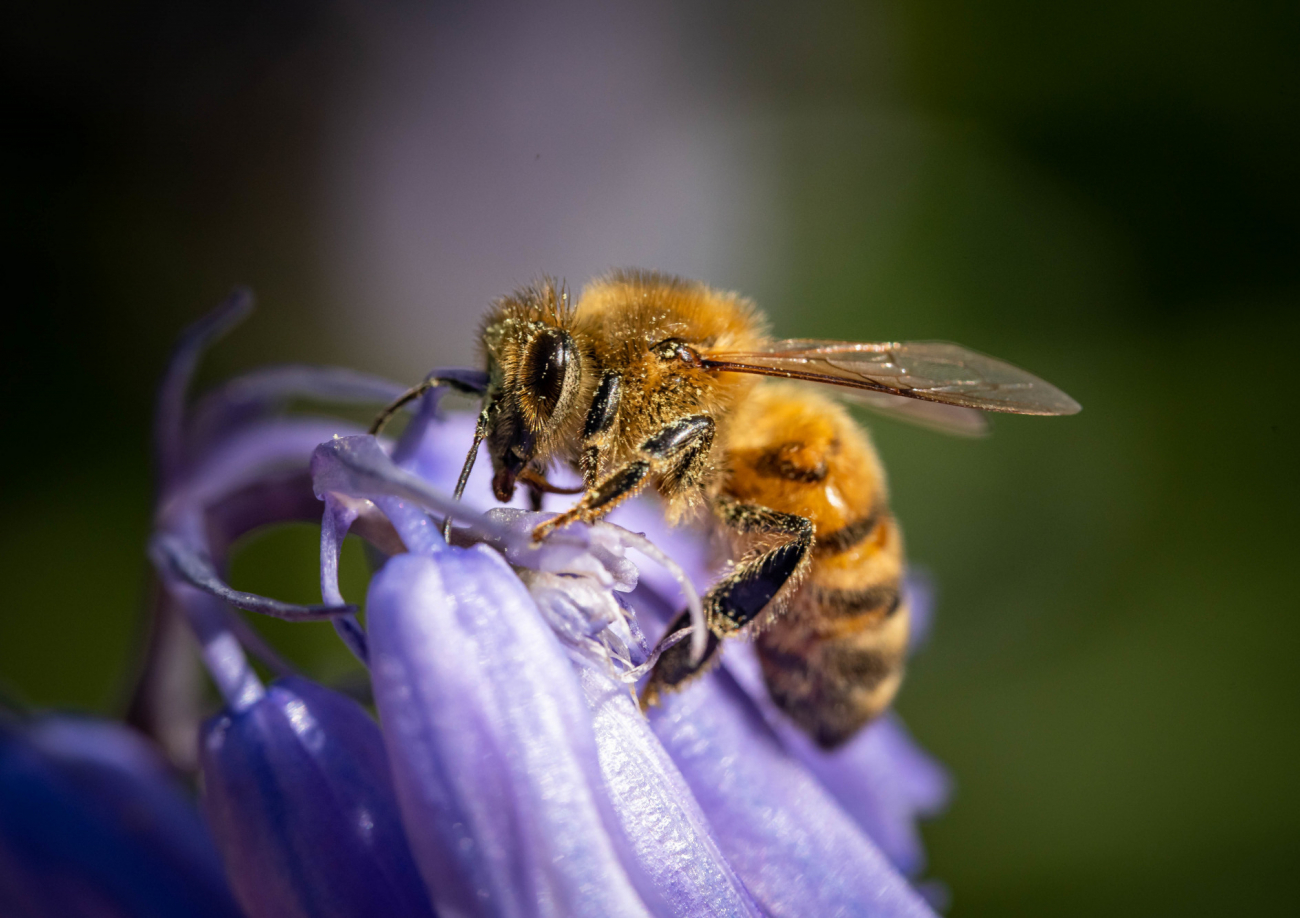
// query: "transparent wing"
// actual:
[[933, 371], [948, 419]]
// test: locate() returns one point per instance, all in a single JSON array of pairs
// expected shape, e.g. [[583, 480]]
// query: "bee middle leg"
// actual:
[[678, 451], [736, 601]]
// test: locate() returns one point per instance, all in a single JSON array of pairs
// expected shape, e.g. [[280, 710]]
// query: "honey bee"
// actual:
[[652, 381]]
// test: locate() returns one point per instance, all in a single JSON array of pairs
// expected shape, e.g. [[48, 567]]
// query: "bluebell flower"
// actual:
[[511, 772], [93, 824]]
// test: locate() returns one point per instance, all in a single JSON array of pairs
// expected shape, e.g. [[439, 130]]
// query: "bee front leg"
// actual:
[[466, 382], [677, 446], [607, 494], [736, 601]]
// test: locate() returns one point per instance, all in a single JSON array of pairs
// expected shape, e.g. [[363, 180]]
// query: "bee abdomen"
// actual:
[[831, 687], [833, 659], [874, 603], [848, 537]]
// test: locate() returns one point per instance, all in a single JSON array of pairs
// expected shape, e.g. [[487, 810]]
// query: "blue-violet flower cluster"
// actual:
[[510, 772]]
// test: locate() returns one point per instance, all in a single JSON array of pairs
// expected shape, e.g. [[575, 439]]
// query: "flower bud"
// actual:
[[298, 793]]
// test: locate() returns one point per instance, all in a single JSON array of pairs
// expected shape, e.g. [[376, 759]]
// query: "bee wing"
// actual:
[[933, 371], [936, 416]]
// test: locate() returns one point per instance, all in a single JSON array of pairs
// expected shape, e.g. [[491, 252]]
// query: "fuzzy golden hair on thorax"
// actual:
[[643, 307], [627, 315]]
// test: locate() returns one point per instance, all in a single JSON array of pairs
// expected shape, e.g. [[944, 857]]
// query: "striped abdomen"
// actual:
[[833, 659]]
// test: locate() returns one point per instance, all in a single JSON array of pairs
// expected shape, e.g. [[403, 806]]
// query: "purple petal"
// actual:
[[181, 550], [92, 824], [177, 560], [253, 395], [358, 467], [298, 791], [582, 550], [278, 496], [687, 544], [251, 478], [340, 514], [668, 831], [223, 657], [576, 608], [468, 377], [427, 429], [881, 777], [492, 747], [242, 466], [239, 461], [786, 837], [885, 781], [920, 590], [169, 418]]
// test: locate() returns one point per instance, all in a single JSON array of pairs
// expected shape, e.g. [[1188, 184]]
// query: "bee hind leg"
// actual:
[[674, 667], [737, 601]]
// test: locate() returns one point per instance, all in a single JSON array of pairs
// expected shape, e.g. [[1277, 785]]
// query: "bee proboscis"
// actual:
[[652, 381]]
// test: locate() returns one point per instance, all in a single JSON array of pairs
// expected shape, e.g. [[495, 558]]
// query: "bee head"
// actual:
[[535, 371]]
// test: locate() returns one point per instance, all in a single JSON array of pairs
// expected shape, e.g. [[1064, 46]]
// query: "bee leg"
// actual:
[[738, 599], [680, 445], [755, 581], [466, 382], [589, 465], [607, 494], [600, 421], [674, 667]]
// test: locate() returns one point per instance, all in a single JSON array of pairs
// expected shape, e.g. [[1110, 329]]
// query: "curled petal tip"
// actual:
[[174, 557]]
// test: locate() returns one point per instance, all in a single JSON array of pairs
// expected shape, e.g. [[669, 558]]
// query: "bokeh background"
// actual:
[[1104, 193]]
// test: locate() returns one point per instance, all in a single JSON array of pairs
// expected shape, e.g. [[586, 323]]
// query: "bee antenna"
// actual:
[[480, 431]]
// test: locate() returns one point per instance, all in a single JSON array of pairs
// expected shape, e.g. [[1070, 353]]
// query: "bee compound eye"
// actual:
[[551, 357]]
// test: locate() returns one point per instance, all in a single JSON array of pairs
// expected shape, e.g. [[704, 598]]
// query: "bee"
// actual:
[[650, 381]]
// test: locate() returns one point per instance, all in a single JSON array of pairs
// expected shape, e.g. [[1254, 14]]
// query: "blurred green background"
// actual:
[[1106, 194]]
